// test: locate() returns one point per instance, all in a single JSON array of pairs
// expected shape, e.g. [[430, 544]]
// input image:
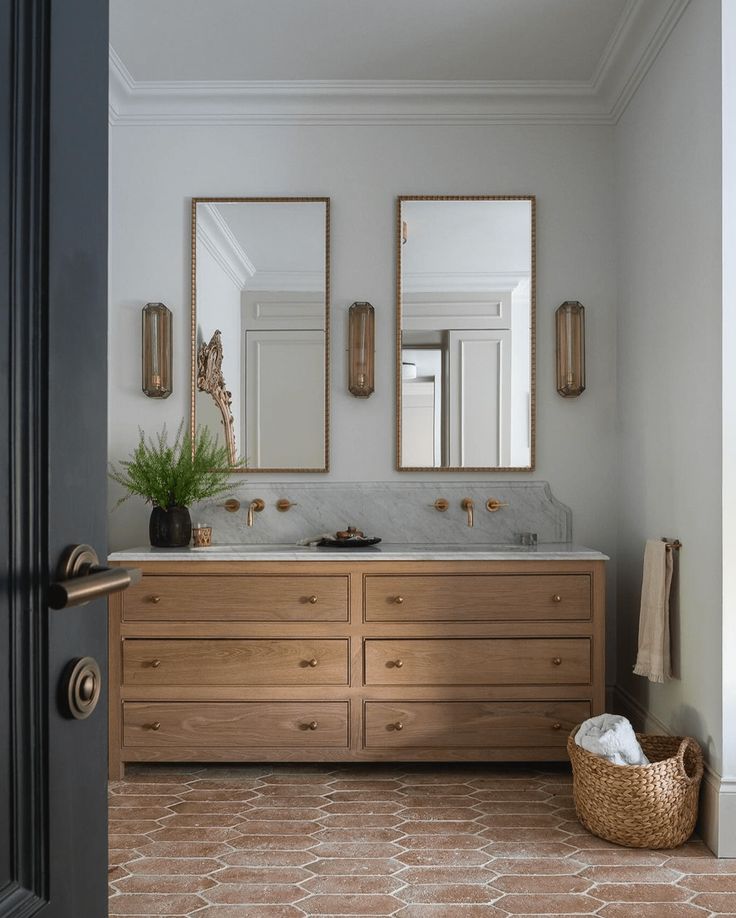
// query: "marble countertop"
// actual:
[[553, 551]]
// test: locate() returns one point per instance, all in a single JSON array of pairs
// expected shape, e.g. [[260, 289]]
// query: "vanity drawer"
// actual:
[[248, 597], [477, 597], [235, 662], [479, 724], [478, 661], [248, 724]]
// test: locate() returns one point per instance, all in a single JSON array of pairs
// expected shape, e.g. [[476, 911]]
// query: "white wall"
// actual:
[[669, 366], [155, 170]]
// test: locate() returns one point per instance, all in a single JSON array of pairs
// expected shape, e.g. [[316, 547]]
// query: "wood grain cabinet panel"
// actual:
[[358, 659], [247, 724], [472, 724], [477, 597], [478, 661], [235, 662], [252, 598]]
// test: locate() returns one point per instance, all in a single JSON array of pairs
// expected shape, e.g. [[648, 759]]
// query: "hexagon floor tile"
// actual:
[[411, 841]]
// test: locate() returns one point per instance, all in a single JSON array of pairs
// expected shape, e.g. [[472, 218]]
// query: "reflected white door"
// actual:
[[479, 413], [285, 407]]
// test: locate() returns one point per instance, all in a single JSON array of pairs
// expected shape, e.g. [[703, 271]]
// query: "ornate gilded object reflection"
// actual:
[[211, 380], [570, 322]]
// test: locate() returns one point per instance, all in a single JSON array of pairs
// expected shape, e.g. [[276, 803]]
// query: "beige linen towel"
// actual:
[[653, 659]]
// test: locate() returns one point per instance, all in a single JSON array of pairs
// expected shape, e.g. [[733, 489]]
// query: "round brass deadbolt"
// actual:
[[84, 685]]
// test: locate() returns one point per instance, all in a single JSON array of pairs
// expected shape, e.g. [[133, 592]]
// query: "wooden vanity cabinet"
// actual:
[[214, 661]]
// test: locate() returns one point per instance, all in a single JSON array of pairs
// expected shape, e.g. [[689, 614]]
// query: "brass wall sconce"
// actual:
[[157, 350], [361, 349], [570, 322]]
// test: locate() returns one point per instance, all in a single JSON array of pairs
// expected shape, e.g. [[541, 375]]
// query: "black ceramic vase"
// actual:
[[170, 528]]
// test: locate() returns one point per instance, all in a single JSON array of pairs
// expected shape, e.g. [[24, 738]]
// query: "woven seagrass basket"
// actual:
[[640, 806]]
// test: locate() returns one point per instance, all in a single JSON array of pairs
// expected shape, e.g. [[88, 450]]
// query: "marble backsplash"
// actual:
[[396, 512]]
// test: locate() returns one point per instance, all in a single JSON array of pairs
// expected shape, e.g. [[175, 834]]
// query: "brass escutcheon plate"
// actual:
[[84, 684]]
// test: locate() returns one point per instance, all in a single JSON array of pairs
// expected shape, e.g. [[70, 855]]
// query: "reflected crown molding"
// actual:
[[217, 237], [640, 34]]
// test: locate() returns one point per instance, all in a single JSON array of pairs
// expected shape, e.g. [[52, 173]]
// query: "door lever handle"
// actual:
[[81, 578]]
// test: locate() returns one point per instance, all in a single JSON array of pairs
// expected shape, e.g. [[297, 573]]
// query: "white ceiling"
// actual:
[[546, 40], [205, 62]]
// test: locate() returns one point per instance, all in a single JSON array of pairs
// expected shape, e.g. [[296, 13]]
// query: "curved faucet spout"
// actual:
[[255, 506], [467, 505]]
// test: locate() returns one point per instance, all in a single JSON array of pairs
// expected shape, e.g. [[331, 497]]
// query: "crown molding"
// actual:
[[640, 34]]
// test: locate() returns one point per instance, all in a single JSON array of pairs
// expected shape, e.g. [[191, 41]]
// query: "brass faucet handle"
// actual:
[[283, 504], [232, 505], [441, 504], [493, 504]]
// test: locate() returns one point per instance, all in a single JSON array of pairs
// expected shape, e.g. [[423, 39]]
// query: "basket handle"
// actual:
[[698, 774]]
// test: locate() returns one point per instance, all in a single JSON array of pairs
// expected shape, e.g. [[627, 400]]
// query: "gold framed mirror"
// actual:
[[465, 333], [260, 333]]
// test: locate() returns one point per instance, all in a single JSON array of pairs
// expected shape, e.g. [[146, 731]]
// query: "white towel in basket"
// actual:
[[611, 737]]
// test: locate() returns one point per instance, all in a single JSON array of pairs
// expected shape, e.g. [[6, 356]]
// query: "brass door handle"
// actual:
[[397, 663], [154, 599], [155, 663], [556, 726], [557, 598], [312, 600], [313, 725], [156, 725], [557, 660], [398, 725], [313, 662], [81, 578], [398, 600]]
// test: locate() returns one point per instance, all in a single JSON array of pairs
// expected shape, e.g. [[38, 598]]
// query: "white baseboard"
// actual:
[[717, 817]]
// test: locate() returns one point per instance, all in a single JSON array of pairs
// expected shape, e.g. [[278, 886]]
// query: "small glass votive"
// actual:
[[201, 536]]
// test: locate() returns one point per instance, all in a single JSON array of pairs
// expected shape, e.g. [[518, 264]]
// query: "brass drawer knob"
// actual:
[[312, 599], [156, 725], [557, 598], [155, 663], [313, 725], [557, 660], [397, 663], [556, 726], [398, 725], [313, 662], [155, 599], [398, 600]]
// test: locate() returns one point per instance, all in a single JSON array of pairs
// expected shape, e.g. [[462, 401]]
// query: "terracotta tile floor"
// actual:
[[416, 841]]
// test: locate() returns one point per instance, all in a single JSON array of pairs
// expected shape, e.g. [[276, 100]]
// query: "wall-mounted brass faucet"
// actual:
[[468, 505], [255, 506]]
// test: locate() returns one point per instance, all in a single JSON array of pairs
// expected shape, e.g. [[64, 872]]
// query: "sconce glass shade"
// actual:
[[156, 350], [361, 349], [570, 320]]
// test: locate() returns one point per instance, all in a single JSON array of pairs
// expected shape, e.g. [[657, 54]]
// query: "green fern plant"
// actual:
[[174, 475]]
